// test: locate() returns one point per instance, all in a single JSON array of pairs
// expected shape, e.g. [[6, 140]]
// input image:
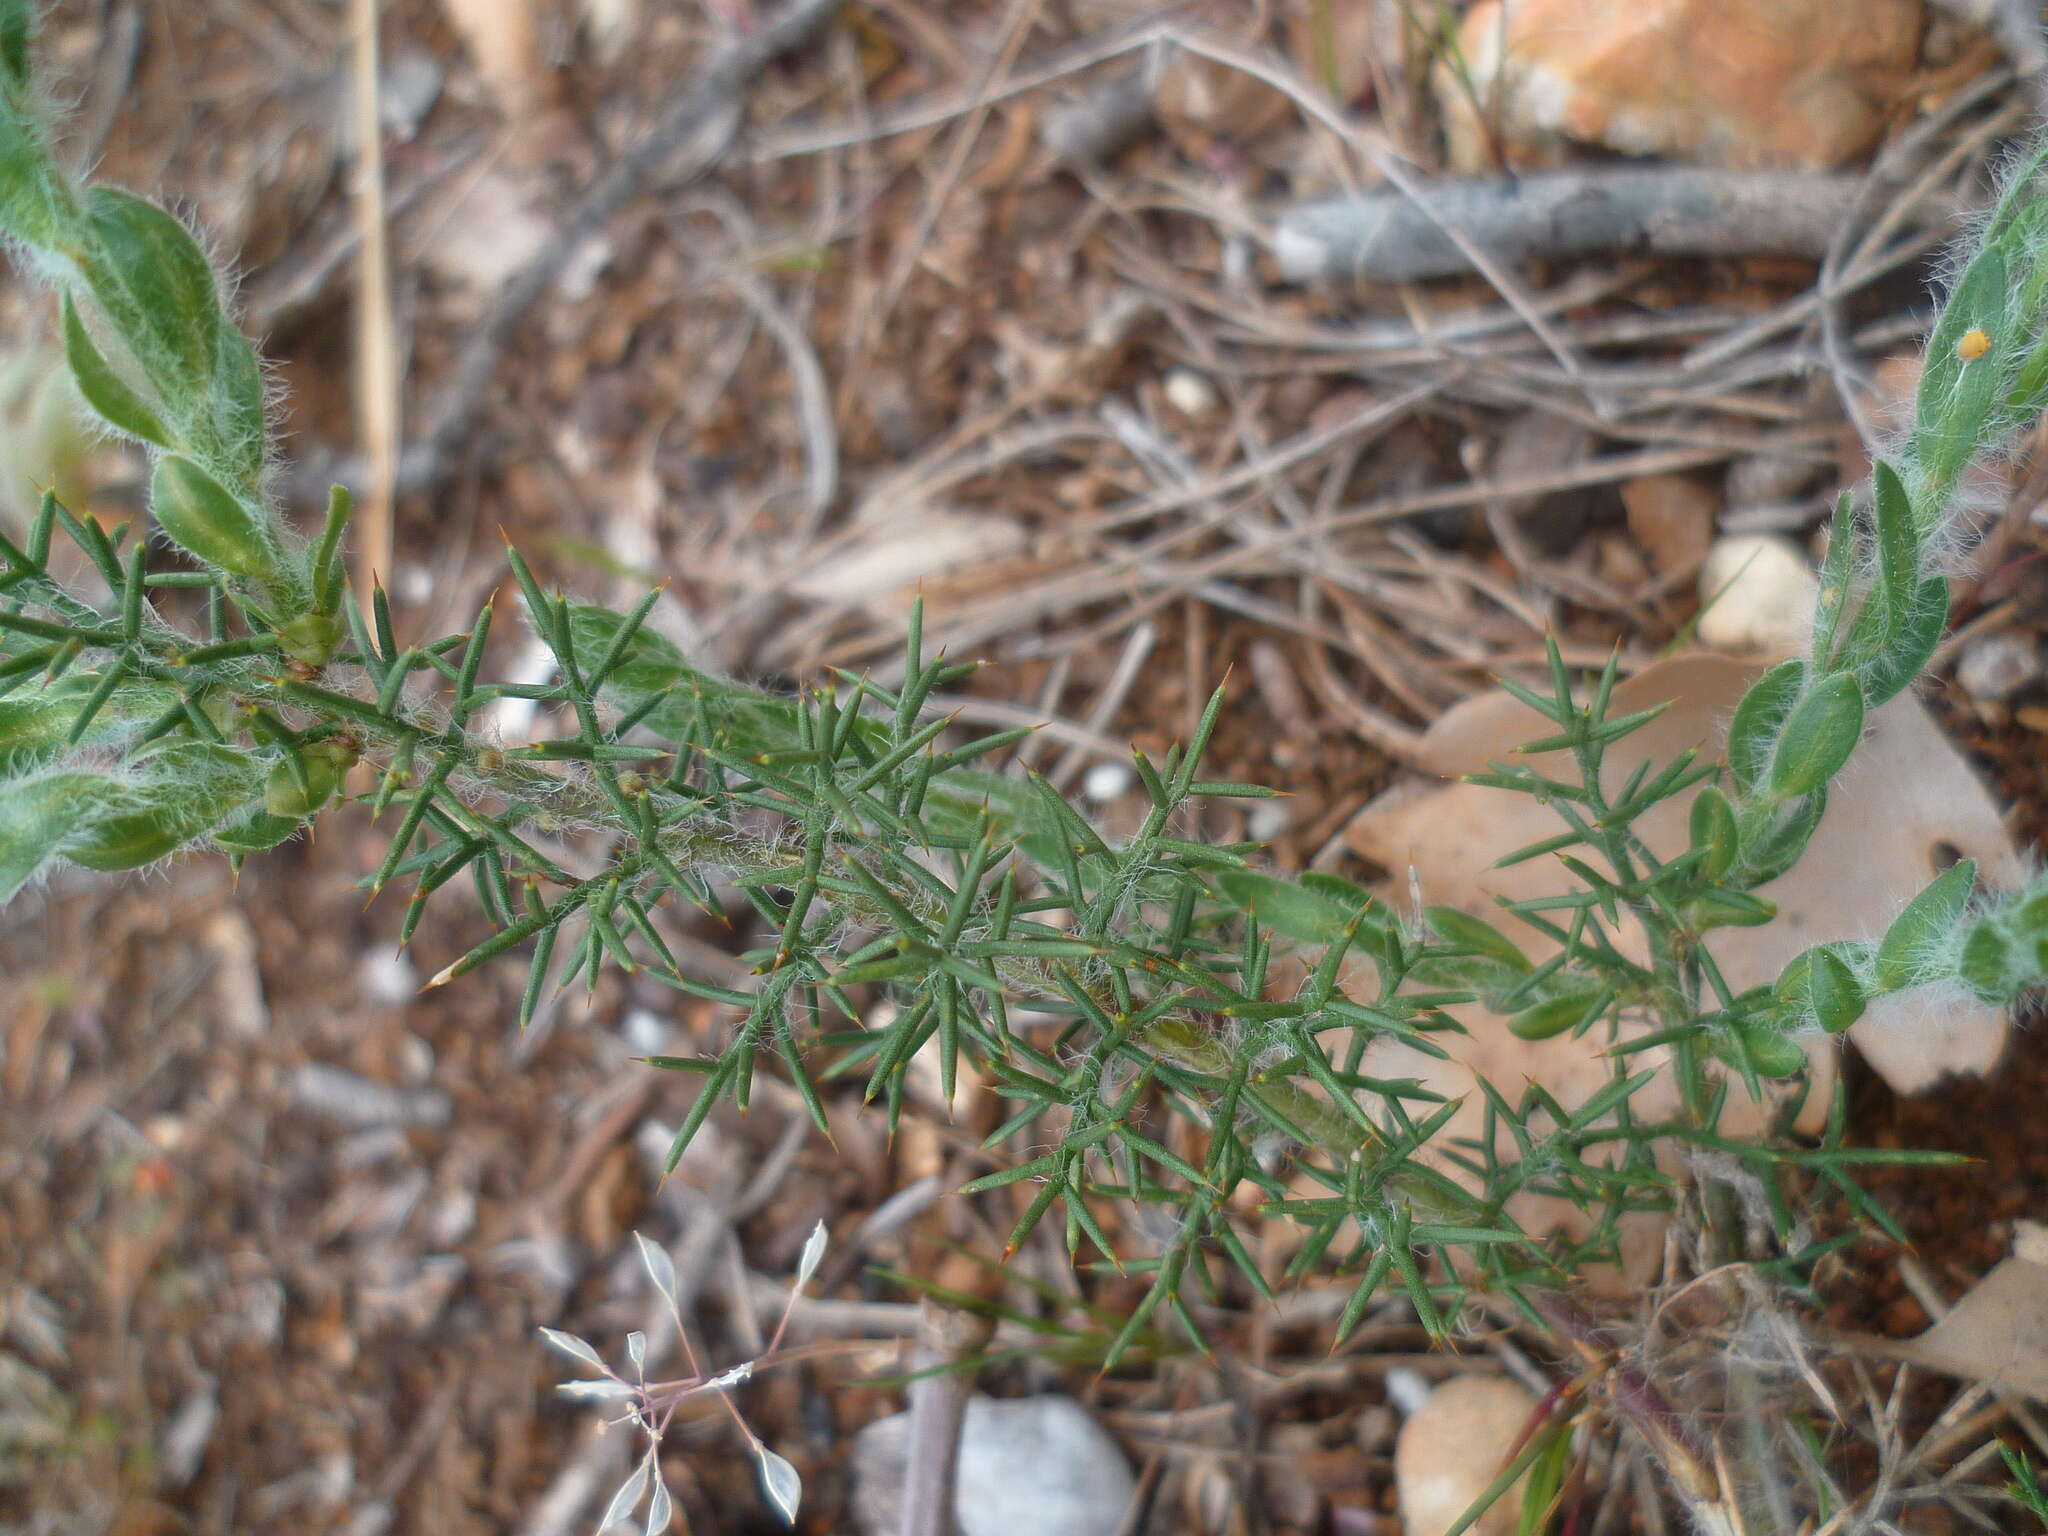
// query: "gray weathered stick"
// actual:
[[1384, 237]]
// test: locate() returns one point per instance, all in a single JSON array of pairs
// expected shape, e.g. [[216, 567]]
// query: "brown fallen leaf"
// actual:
[[1997, 1334], [921, 547], [1906, 807], [1672, 517]]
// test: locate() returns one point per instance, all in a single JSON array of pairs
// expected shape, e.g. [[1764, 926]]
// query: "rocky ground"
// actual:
[[982, 301]]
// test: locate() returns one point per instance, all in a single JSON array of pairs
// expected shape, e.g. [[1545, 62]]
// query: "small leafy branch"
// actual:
[[221, 688], [651, 1405]]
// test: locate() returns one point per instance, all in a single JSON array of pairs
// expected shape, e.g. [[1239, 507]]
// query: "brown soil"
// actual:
[[276, 1234]]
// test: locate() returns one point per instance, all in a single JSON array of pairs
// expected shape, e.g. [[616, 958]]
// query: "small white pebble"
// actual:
[[647, 1032], [584, 267], [388, 979], [413, 585], [1106, 782], [333, 1476], [2030, 1241], [512, 720], [1240, 261], [1037, 1465], [1998, 666], [1302, 254], [1758, 478], [1759, 595], [1267, 820], [1407, 1389], [410, 86], [1189, 393], [184, 1441], [415, 1060], [452, 1218], [366, 1149]]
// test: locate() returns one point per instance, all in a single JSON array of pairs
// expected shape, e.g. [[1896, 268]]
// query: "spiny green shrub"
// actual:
[[217, 687]]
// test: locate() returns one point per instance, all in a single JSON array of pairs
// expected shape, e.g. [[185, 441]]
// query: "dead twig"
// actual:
[[938, 1405], [377, 372], [1386, 237], [1317, 109]]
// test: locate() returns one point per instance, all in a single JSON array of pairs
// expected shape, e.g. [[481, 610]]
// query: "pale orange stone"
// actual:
[[1744, 84]]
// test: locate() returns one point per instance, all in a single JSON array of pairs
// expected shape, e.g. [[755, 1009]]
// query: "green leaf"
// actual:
[[1716, 907], [1299, 912], [1714, 835], [208, 523], [156, 286], [2024, 236], [1903, 617], [1554, 1016], [255, 832], [1544, 1490], [1988, 963], [1835, 996], [237, 423], [1038, 1168], [1912, 646], [1912, 949], [1346, 893], [2024, 1488], [958, 802], [1819, 737], [1468, 932], [2028, 396], [1777, 846], [17, 25], [2019, 196], [1770, 1051], [35, 727], [182, 793], [2029, 922], [1837, 580], [104, 388], [693, 705], [35, 817], [37, 203], [1898, 543], [1959, 393], [1758, 719], [324, 562]]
